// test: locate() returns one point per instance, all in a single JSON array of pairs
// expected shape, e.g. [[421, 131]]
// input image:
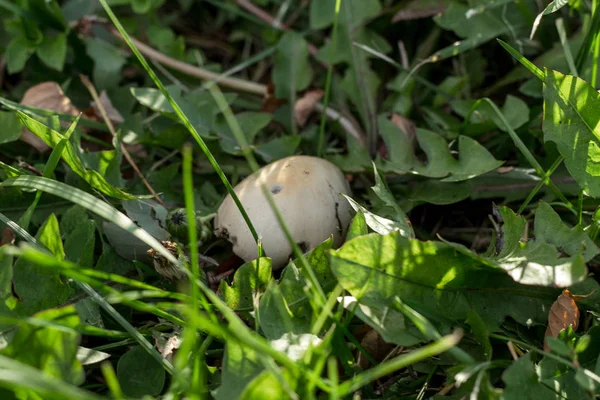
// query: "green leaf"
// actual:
[[571, 121], [248, 280], [539, 262], [440, 193], [253, 124], [382, 225], [91, 203], [523, 383], [52, 138], [18, 52], [48, 12], [285, 308], [480, 332], [40, 288], [10, 127], [358, 226], [473, 158], [140, 374], [554, 6], [240, 366], [79, 244], [292, 72], [48, 349], [436, 280], [53, 51], [278, 148], [383, 192], [108, 61], [477, 25], [388, 322]]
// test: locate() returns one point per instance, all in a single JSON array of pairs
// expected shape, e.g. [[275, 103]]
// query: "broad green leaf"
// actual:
[[108, 61], [40, 288], [539, 262], [292, 72], [248, 280], [358, 226], [79, 244], [522, 382], [383, 192], [52, 138], [266, 386], [252, 124], [92, 204], [435, 280], [148, 215], [49, 349], [440, 193], [354, 11], [139, 374], [382, 225], [18, 52], [284, 307], [240, 366], [480, 332], [388, 322], [571, 121], [478, 24], [48, 12], [278, 148], [10, 128], [473, 158], [53, 51]]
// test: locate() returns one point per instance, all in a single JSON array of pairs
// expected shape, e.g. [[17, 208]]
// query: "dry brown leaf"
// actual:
[[374, 344], [406, 125], [48, 96], [417, 10], [111, 112], [306, 104], [564, 312], [270, 103], [8, 237]]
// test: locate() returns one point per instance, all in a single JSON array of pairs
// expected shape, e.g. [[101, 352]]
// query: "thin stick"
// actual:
[[90, 87], [349, 126]]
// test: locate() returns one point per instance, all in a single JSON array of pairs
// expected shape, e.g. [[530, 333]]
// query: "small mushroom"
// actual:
[[306, 191]]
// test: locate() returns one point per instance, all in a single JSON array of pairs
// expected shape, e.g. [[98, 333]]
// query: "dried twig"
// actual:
[[90, 87]]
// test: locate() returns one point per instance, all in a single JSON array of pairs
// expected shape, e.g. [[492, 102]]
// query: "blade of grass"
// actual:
[[587, 46], [521, 147], [562, 34], [18, 375], [403, 361], [524, 61], [35, 253], [334, 379], [329, 75], [542, 181], [110, 377], [184, 119], [49, 168]]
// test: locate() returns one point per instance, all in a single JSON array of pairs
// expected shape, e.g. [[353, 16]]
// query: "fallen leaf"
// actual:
[[564, 312], [166, 343], [271, 103], [8, 237], [374, 344], [48, 96], [111, 112], [306, 104], [418, 9], [406, 125]]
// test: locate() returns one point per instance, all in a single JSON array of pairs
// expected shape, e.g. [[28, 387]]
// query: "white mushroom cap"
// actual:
[[306, 191]]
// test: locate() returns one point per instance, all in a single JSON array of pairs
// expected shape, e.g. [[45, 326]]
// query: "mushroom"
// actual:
[[307, 191]]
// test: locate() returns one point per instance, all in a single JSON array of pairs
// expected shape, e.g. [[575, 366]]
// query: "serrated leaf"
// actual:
[[571, 121], [250, 278], [435, 280], [382, 225]]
